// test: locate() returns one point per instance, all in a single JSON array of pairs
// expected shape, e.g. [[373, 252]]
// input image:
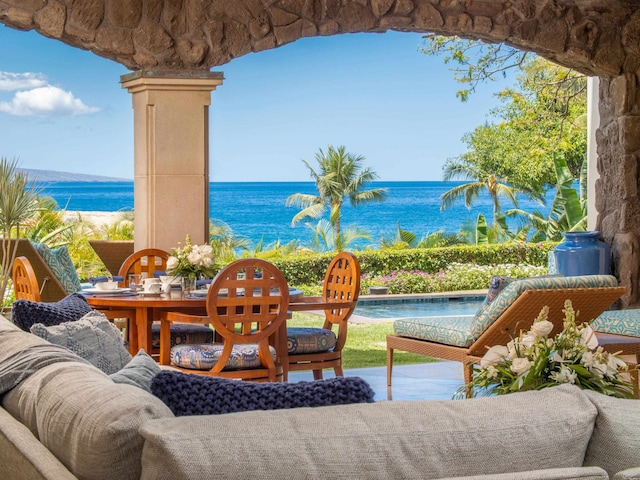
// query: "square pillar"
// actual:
[[171, 155]]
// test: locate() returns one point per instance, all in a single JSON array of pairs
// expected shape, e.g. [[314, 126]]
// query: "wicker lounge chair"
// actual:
[[466, 339], [113, 253]]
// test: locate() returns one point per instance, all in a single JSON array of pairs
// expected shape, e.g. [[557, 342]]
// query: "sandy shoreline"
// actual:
[[97, 218]]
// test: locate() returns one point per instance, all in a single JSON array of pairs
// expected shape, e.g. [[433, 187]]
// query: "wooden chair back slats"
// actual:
[[146, 261], [25, 283]]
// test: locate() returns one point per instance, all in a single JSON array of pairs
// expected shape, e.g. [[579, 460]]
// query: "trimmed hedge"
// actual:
[[310, 269]]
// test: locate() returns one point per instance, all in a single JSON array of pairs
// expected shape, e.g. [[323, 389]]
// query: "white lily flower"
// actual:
[[493, 356]]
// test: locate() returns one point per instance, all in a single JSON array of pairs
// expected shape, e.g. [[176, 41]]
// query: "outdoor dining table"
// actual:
[[145, 308]]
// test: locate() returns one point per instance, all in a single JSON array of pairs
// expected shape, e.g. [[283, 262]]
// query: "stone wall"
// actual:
[[617, 197], [597, 37]]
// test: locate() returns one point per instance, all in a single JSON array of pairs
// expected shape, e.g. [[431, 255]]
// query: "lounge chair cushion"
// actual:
[[199, 395], [26, 313], [463, 331], [448, 330], [93, 338], [619, 322], [182, 333], [205, 356], [60, 263], [138, 372], [488, 316], [310, 340]]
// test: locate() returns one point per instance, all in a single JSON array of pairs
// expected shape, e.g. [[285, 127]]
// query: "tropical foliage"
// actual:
[[340, 176], [533, 361], [18, 203]]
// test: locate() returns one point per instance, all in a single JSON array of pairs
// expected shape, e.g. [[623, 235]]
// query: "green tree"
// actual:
[[340, 176], [480, 181], [325, 239], [543, 114]]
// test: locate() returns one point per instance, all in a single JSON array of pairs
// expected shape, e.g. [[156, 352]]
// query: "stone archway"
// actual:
[[596, 37]]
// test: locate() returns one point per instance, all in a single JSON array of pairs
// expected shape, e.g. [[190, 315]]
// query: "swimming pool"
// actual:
[[418, 307]]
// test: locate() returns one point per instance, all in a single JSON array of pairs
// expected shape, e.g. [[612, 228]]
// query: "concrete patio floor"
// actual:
[[424, 381]]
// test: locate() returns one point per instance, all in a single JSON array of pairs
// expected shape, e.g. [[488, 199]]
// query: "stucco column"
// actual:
[[593, 122], [171, 155]]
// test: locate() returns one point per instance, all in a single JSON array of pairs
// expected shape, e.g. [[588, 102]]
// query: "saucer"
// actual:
[[149, 294]]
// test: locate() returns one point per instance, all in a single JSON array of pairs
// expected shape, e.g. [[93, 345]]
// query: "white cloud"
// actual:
[[45, 101], [21, 81]]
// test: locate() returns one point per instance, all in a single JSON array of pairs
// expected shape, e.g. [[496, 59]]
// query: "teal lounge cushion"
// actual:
[[619, 322], [310, 340], [448, 330], [60, 263], [205, 356]]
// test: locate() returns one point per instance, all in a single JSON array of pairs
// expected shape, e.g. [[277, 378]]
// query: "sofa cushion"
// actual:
[[26, 313], [138, 372], [86, 420], [60, 263], [93, 338], [199, 395], [615, 442], [411, 439], [575, 473]]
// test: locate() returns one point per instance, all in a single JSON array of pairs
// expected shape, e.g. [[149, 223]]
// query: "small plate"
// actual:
[[200, 293], [98, 291], [149, 294]]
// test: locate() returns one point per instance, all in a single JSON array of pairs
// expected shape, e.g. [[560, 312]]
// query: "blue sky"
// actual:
[[63, 109]]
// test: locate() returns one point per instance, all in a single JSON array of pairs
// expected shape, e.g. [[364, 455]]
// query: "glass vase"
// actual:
[[188, 284], [582, 253]]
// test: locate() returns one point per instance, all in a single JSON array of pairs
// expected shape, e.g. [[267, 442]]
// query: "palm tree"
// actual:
[[325, 239], [339, 176], [480, 180]]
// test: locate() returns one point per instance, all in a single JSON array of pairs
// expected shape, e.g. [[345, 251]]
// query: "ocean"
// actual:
[[256, 210]]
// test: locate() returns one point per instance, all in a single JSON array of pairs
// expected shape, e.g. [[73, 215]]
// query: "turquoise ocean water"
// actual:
[[257, 210]]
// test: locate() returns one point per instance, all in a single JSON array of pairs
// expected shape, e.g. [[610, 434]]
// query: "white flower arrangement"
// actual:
[[192, 260], [533, 361]]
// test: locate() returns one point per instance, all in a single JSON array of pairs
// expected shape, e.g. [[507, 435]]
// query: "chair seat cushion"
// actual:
[[310, 340], [200, 395], [451, 330], [619, 322], [182, 333], [205, 356]]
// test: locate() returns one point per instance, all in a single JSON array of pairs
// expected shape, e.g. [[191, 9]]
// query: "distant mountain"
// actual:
[[53, 176]]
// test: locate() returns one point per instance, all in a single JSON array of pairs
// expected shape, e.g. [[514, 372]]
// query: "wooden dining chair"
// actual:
[[319, 348], [247, 306], [25, 283], [146, 262]]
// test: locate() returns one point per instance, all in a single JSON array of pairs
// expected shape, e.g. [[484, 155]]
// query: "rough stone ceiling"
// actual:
[[597, 37]]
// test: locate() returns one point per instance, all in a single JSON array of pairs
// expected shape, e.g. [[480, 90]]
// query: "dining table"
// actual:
[[145, 307]]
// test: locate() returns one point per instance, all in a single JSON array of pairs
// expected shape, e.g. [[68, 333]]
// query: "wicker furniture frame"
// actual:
[[588, 302], [113, 253]]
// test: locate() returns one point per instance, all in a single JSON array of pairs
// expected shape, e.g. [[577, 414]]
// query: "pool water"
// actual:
[[419, 307]]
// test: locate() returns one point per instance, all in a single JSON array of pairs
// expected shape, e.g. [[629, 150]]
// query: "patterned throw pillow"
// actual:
[[60, 263], [496, 285], [93, 338], [138, 372], [199, 395], [26, 313]]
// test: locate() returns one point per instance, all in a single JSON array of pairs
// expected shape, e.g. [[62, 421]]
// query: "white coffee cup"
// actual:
[[152, 285]]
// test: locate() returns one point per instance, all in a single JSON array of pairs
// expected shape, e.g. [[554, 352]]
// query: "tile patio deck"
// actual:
[[425, 381]]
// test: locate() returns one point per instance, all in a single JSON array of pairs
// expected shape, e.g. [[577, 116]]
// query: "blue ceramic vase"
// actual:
[[582, 253]]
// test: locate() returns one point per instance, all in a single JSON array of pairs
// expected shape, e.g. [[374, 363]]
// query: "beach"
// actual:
[[97, 218]]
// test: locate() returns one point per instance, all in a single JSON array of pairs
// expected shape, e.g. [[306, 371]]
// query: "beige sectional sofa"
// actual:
[[69, 420]]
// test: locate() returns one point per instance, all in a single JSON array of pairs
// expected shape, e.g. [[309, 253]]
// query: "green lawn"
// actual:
[[366, 343]]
